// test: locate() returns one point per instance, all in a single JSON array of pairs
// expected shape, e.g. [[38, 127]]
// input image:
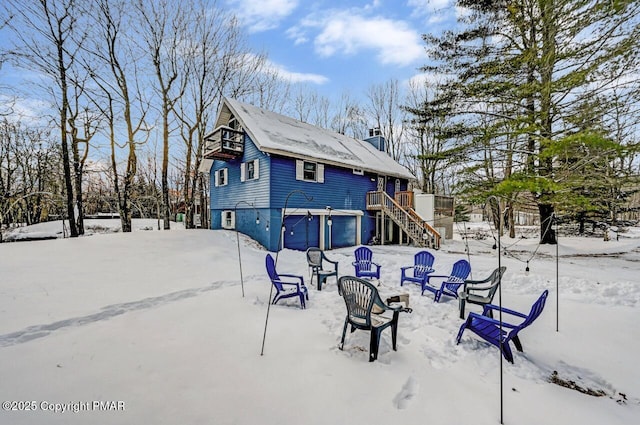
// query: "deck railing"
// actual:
[[224, 143], [406, 218], [404, 198]]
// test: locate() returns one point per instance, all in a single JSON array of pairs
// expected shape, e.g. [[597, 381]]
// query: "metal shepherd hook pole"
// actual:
[[499, 302], [284, 210], [555, 218]]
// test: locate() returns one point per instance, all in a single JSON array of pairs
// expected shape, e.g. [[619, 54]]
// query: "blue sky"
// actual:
[[332, 46], [338, 46]]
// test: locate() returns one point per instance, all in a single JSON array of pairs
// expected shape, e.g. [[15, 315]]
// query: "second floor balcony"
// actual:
[[224, 143]]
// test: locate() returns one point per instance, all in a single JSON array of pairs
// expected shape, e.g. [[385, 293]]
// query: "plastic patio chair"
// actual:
[[293, 287], [480, 292], [365, 310], [419, 272], [365, 267], [488, 328], [451, 283], [315, 260]]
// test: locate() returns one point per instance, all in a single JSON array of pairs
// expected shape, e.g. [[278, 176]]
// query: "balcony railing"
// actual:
[[224, 143]]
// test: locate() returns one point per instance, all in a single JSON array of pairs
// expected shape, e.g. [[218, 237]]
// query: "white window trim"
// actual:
[[223, 217], [225, 173], [300, 171], [358, 171], [244, 170]]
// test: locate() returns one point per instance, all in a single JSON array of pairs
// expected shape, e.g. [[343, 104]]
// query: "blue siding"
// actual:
[[341, 189], [250, 191]]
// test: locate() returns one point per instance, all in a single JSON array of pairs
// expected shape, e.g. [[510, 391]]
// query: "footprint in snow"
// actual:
[[406, 394]]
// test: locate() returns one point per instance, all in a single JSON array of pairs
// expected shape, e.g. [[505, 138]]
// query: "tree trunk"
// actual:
[[547, 233], [511, 222], [186, 193], [66, 165], [77, 169], [165, 167]]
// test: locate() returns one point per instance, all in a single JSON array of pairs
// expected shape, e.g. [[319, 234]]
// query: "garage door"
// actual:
[[301, 233]]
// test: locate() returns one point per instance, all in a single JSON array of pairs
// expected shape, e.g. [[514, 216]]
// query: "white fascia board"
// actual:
[[321, 212]]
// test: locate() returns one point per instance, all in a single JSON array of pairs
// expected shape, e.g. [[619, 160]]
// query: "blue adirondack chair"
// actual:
[[422, 266], [365, 311], [294, 287], [488, 328], [451, 283], [363, 264]]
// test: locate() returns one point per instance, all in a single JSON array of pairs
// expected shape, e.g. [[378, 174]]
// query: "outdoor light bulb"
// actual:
[[292, 233], [257, 220], [526, 270], [267, 228]]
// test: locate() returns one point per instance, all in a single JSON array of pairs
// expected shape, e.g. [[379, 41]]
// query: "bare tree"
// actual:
[[122, 96], [349, 117], [29, 173], [49, 37], [427, 158], [164, 31], [384, 107]]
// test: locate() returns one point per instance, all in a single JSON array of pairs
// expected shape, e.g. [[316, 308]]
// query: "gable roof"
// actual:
[[282, 135]]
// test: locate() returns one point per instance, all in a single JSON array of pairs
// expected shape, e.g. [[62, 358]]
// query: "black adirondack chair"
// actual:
[[316, 260], [366, 311], [481, 292]]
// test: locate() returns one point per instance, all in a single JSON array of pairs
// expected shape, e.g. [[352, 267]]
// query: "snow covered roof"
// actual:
[[282, 135]]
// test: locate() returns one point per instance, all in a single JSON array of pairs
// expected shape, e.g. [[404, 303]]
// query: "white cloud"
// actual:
[[280, 71], [295, 77], [348, 32], [262, 15], [297, 35]]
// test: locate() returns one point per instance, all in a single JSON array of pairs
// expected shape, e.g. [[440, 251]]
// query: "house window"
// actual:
[[228, 220], [222, 177], [249, 170], [309, 171]]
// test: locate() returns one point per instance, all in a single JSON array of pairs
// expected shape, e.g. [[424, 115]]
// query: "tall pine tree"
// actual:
[[523, 71]]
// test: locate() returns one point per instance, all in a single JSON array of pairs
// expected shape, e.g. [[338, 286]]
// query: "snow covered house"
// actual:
[[338, 191]]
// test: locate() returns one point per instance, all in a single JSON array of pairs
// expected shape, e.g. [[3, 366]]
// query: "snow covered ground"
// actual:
[[155, 322]]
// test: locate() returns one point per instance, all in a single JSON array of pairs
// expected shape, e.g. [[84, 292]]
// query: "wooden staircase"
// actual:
[[419, 231]]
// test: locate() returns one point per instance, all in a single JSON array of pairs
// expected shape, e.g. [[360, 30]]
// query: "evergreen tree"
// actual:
[[523, 71]]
